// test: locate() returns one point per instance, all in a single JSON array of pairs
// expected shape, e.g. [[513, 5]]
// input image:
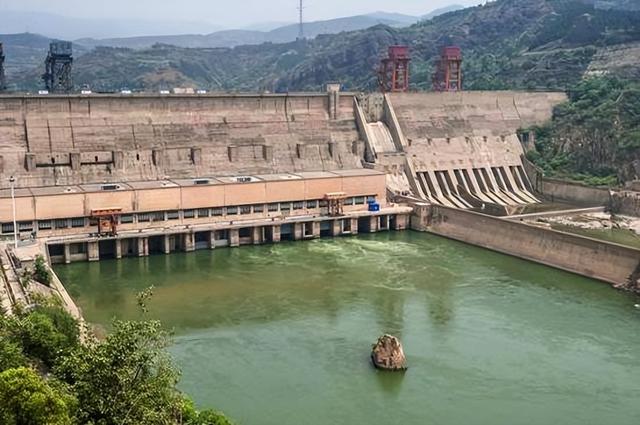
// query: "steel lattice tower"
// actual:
[[301, 23], [57, 76], [3, 81], [448, 75], [394, 70]]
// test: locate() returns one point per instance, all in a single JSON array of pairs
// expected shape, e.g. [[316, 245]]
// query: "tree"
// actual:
[[190, 416], [26, 399], [45, 333], [126, 379]]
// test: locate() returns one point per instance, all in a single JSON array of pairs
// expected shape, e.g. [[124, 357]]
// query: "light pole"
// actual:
[[12, 180]]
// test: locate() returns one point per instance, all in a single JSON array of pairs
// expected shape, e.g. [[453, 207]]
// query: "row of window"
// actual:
[[285, 207]]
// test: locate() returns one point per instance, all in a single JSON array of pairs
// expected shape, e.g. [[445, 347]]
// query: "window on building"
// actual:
[[159, 215], [258, 209], [62, 223], [7, 227], [127, 218], [25, 226], [285, 206], [56, 250], [232, 210], [45, 225], [245, 209], [78, 248], [189, 213], [312, 204], [324, 203], [78, 222], [273, 207], [144, 217], [298, 205], [202, 213], [217, 212], [348, 201], [359, 200]]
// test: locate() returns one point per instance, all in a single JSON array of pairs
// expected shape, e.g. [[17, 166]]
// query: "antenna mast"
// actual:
[[301, 29]]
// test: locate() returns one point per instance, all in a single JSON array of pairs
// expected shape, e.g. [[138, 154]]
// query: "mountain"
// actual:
[[232, 38], [401, 19], [266, 26], [441, 11], [507, 44], [69, 28], [632, 5], [27, 52]]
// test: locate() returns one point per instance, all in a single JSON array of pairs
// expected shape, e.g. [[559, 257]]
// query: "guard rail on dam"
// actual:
[[612, 263]]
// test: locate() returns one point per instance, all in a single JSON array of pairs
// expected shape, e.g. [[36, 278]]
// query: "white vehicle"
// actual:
[[165, 92], [43, 91], [86, 92], [202, 92], [125, 92]]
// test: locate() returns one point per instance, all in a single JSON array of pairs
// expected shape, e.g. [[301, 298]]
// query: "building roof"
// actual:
[[176, 183], [154, 184]]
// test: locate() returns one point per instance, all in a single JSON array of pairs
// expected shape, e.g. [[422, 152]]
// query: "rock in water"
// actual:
[[388, 354]]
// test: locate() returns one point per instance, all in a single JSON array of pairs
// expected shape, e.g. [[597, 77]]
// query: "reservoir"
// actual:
[[281, 334]]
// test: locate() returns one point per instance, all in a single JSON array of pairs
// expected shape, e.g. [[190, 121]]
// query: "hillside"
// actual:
[[541, 44], [27, 52], [595, 136], [238, 37], [528, 44]]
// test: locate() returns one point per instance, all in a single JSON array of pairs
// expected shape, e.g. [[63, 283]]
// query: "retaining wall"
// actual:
[[562, 190], [600, 260]]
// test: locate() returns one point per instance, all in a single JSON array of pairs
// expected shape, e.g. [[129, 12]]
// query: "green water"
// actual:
[[281, 334]]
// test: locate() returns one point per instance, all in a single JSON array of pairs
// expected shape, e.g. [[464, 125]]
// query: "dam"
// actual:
[[355, 215], [100, 176]]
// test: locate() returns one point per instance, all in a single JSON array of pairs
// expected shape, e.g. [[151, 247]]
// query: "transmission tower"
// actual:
[[3, 81], [301, 24]]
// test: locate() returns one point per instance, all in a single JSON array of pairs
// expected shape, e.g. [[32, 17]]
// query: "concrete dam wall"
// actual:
[[601, 260], [60, 140], [464, 148]]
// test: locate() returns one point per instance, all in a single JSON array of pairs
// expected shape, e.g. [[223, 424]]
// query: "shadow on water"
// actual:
[[390, 382]]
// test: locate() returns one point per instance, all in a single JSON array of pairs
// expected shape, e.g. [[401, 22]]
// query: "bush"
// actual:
[[44, 333], [25, 399], [126, 379], [190, 416], [41, 271]]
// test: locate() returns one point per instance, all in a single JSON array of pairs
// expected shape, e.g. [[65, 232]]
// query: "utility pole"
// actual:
[[301, 29], [12, 180]]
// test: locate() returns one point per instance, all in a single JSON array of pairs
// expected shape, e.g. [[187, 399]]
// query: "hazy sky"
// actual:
[[225, 13]]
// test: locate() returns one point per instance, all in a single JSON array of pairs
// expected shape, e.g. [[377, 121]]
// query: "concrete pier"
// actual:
[[93, 251], [234, 234]]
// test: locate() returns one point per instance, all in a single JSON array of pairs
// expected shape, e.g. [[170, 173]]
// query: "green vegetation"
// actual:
[[41, 271], [515, 44], [595, 136], [48, 376]]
